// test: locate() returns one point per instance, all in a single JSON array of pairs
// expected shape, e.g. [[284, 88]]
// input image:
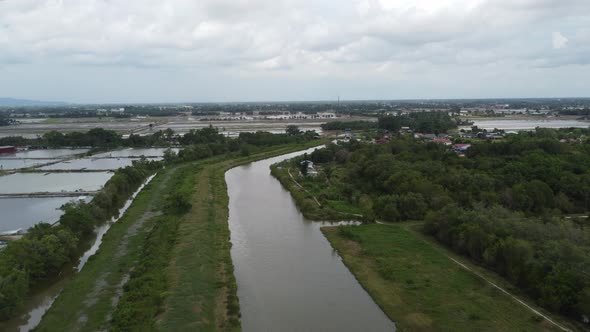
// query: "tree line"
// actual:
[[425, 122], [352, 125]]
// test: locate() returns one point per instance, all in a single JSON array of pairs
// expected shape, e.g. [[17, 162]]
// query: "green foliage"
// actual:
[[425, 122], [42, 253], [352, 125], [545, 259], [292, 130], [6, 121], [144, 293]]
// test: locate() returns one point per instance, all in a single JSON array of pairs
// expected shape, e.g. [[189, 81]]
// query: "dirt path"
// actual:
[[300, 186]]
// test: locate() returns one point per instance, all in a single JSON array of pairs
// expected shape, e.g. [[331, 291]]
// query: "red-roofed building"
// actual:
[[444, 141], [7, 149], [461, 147]]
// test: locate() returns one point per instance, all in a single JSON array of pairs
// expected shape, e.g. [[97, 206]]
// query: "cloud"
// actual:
[[558, 40], [293, 39]]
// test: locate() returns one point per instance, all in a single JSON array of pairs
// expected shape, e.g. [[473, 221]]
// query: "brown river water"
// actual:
[[289, 277]]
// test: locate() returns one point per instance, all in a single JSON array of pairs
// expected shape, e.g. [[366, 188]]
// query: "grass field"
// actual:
[[420, 288]]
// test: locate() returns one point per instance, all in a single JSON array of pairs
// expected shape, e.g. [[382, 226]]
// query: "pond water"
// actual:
[[11, 164], [44, 154], [19, 183], [521, 124], [289, 277], [150, 152], [26, 212], [93, 164]]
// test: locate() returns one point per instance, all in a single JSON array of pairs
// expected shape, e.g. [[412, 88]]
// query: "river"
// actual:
[[289, 277]]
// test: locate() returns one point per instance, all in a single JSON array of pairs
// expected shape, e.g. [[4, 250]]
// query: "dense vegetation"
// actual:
[[5, 121], [144, 293], [352, 125], [101, 138], [42, 253], [425, 122], [510, 205]]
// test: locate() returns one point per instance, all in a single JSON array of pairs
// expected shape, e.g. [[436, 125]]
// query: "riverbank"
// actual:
[[419, 287], [195, 287]]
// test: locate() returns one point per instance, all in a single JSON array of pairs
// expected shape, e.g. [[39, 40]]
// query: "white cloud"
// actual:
[[558, 40], [354, 39]]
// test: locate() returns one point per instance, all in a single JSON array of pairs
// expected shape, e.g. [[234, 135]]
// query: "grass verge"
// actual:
[[420, 288]]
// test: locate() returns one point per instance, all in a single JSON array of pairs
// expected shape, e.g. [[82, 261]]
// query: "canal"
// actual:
[[289, 277]]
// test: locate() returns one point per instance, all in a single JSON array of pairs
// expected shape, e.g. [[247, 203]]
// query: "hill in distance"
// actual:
[[12, 102]]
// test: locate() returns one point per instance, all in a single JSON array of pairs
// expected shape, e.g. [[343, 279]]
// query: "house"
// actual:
[[311, 171], [461, 147], [383, 140], [444, 141]]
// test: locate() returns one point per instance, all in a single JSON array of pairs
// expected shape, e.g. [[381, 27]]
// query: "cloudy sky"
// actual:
[[270, 50]]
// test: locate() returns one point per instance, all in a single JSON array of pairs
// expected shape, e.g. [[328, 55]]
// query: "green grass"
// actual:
[[420, 288]]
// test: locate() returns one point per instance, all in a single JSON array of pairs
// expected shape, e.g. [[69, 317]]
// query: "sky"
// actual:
[[101, 51]]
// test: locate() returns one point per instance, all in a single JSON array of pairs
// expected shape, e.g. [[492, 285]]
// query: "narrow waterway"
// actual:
[[289, 277]]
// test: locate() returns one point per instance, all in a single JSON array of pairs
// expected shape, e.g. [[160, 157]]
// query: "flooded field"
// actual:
[[26, 212], [93, 164], [20, 183], [523, 124], [23, 212], [11, 164], [31, 128]]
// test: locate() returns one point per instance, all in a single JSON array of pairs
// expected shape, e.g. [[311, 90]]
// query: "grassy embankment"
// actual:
[[179, 270], [410, 276], [421, 289]]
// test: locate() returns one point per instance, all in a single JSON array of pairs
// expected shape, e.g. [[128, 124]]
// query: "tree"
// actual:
[[292, 130]]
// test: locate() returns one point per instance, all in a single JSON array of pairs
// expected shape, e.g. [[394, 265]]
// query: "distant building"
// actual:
[[7, 149], [311, 171], [444, 141]]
